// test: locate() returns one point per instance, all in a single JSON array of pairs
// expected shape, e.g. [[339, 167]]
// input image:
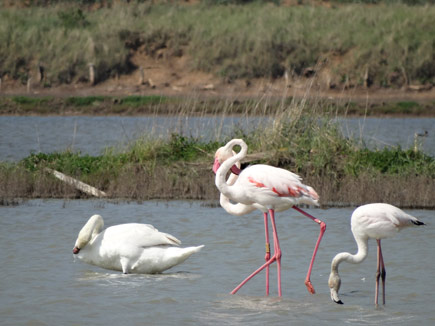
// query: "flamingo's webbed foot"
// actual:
[[309, 286]]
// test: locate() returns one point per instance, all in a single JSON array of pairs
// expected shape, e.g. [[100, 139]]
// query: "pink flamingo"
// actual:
[[376, 221], [269, 189]]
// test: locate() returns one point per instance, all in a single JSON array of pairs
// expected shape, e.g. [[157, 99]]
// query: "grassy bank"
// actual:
[[138, 105], [300, 137], [386, 45]]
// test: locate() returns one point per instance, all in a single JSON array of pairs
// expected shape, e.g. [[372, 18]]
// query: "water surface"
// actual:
[[23, 135], [42, 284]]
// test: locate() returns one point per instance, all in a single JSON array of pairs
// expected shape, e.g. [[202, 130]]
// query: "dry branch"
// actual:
[[77, 184]]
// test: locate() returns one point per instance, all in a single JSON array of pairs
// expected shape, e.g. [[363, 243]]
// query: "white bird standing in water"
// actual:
[[268, 189], [130, 248], [375, 221]]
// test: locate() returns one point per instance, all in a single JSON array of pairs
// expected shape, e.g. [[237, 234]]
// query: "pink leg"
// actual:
[[267, 257], [308, 283], [276, 250], [276, 256], [271, 260]]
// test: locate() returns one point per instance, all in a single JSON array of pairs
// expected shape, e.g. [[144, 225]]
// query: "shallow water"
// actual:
[[42, 284], [22, 135]]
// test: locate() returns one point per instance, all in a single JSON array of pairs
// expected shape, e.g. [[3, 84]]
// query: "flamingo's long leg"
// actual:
[[237, 288], [276, 249], [322, 224], [276, 257], [382, 270], [378, 274], [267, 256]]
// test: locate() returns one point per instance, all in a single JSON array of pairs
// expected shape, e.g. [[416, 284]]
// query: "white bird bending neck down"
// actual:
[[268, 189], [376, 221], [130, 248]]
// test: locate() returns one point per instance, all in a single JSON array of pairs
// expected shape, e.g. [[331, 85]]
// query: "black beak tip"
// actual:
[[339, 302]]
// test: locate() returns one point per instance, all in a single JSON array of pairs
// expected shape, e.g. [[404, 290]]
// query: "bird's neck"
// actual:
[[235, 209], [91, 229], [348, 257], [221, 173]]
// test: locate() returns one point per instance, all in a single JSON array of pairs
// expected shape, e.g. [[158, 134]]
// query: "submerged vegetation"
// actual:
[[300, 136]]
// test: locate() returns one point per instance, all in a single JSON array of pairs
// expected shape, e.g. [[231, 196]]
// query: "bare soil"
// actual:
[[170, 76]]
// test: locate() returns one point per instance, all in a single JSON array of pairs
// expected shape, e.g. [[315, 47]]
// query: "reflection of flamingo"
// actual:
[[376, 221], [130, 248], [266, 188]]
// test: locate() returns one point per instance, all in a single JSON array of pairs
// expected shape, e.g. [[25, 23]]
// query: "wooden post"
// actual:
[[92, 74], [29, 84], [366, 78], [141, 76], [286, 78], [40, 73]]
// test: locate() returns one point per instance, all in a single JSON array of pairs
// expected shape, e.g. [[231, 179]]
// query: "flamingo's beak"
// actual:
[[216, 165], [234, 169], [76, 250]]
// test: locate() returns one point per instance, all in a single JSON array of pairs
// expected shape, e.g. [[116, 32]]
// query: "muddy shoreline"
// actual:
[[357, 102]]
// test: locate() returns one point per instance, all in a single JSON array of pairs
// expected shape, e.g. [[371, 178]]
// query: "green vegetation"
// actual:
[[177, 148], [393, 46], [152, 104], [300, 137], [84, 101], [391, 161], [135, 100], [385, 45]]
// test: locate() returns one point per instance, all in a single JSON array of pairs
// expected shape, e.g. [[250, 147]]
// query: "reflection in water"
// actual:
[[123, 279]]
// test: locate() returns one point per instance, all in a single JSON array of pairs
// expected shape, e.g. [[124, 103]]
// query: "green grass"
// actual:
[[394, 41], [301, 137], [392, 161], [84, 101], [30, 101], [136, 100]]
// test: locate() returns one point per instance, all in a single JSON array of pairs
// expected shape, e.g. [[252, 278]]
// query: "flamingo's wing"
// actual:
[[278, 182], [380, 220]]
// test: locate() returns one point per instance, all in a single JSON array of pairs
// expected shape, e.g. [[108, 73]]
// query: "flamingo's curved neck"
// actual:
[[235, 209], [227, 164], [353, 259]]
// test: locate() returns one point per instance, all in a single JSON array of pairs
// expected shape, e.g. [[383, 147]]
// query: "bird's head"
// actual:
[[221, 155], [334, 283], [80, 243], [90, 230]]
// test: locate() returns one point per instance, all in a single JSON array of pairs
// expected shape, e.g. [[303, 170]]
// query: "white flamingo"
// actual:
[[130, 248], [375, 221], [268, 189]]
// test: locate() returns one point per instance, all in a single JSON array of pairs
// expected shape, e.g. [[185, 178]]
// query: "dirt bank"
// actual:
[[170, 76]]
